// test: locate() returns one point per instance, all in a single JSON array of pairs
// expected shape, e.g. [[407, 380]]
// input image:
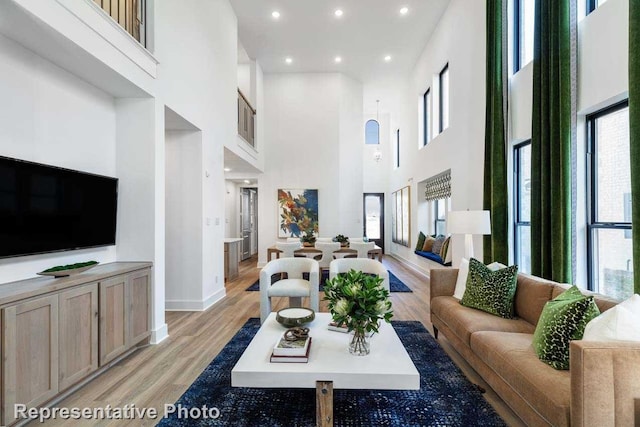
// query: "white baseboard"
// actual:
[[160, 334], [194, 305]]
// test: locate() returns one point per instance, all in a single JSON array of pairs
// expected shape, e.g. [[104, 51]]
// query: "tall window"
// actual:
[[522, 206], [610, 254], [444, 99], [593, 5], [426, 120], [372, 132], [441, 207], [524, 17], [397, 148]]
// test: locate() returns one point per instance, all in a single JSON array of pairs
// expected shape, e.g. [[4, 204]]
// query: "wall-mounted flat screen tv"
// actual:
[[48, 209]]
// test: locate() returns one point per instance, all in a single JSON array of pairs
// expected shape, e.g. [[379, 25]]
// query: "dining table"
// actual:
[[376, 252]]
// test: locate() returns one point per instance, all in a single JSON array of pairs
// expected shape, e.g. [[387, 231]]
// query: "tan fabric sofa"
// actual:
[[601, 389]]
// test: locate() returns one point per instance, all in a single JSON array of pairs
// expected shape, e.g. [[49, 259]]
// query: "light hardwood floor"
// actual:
[[159, 374]]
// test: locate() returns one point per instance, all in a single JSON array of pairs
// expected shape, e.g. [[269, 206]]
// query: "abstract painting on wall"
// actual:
[[298, 212]]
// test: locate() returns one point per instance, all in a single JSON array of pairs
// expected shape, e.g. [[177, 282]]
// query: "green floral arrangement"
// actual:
[[70, 266], [308, 238], [342, 239], [358, 301]]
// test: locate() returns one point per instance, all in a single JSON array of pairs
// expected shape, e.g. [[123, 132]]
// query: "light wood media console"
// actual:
[[58, 334]]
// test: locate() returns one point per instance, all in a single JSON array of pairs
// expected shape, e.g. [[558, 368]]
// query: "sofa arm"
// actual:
[[605, 383], [442, 282]]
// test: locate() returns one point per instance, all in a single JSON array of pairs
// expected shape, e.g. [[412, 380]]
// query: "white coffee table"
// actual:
[[387, 367]]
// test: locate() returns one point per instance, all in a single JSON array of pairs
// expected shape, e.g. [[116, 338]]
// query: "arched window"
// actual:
[[372, 132]]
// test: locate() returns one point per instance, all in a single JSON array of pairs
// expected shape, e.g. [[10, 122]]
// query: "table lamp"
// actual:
[[469, 223]]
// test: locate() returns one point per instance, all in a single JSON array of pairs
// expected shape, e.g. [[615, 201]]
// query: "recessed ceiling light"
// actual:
[[288, 60], [338, 59], [404, 10], [338, 13], [227, 169], [246, 181], [387, 58], [275, 14]]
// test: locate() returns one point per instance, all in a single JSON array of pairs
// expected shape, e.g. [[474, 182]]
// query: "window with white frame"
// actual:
[[593, 5], [443, 104], [426, 117], [523, 23], [522, 206], [609, 245]]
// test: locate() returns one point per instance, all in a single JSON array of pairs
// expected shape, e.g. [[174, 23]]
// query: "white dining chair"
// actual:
[[327, 248], [294, 286], [288, 248], [362, 249], [365, 265]]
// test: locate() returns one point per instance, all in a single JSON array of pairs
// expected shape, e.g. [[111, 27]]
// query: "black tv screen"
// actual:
[[47, 209]]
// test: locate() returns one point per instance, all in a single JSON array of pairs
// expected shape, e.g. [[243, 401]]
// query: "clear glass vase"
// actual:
[[360, 344]]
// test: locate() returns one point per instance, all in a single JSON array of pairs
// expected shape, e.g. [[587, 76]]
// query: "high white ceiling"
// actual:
[[309, 33]]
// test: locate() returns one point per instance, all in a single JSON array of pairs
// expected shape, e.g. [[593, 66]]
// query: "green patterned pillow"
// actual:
[[421, 239], [563, 319], [490, 291]]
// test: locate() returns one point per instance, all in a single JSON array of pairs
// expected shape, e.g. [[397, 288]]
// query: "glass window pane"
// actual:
[[444, 94], [613, 258], [527, 18], [373, 215], [372, 132], [524, 248], [524, 183], [427, 116], [613, 168], [440, 228]]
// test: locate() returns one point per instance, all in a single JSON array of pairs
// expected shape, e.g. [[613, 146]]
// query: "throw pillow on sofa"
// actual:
[[428, 244], [619, 323], [437, 245], [563, 319], [445, 251], [490, 291], [463, 273], [421, 239]]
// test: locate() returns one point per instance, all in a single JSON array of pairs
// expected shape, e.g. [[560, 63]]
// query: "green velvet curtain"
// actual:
[[552, 142], [634, 121], [496, 245]]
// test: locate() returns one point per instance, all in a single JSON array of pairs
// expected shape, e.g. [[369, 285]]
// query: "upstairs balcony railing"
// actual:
[[246, 119], [130, 14]]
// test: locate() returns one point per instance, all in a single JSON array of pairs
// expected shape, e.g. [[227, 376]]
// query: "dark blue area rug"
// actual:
[[395, 284], [445, 398]]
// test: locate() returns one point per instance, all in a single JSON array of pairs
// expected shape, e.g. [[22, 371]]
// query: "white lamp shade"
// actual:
[[469, 222]]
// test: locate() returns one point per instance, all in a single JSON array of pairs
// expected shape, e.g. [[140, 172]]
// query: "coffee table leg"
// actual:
[[324, 403]]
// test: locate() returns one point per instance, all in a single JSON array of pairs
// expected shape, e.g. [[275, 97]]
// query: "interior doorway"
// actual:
[[373, 211], [249, 221]]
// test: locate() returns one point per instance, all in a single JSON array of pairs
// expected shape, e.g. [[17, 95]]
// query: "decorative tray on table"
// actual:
[[68, 270]]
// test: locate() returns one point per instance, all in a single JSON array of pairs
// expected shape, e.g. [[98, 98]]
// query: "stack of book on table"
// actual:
[[291, 351]]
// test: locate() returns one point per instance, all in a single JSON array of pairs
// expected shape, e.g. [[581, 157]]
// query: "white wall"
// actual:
[[459, 40], [232, 209], [183, 219], [200, 83], [49, 116], [603, 80], [306, 118]]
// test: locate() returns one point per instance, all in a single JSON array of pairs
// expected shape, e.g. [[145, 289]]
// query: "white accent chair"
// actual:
[[288, 248], [365, 265], [327, 248], [362, 248], [294, 286]]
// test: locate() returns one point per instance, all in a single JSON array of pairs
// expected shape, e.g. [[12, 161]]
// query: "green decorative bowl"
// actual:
[[295, 316]]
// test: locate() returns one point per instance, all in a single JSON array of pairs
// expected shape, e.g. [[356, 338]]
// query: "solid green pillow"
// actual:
[[563, 319], [421, 239], [490, 291]]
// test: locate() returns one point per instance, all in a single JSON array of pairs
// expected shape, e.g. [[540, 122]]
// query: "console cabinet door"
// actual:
[[140, 315], [78, 334], [30, 345], [114, 318]]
